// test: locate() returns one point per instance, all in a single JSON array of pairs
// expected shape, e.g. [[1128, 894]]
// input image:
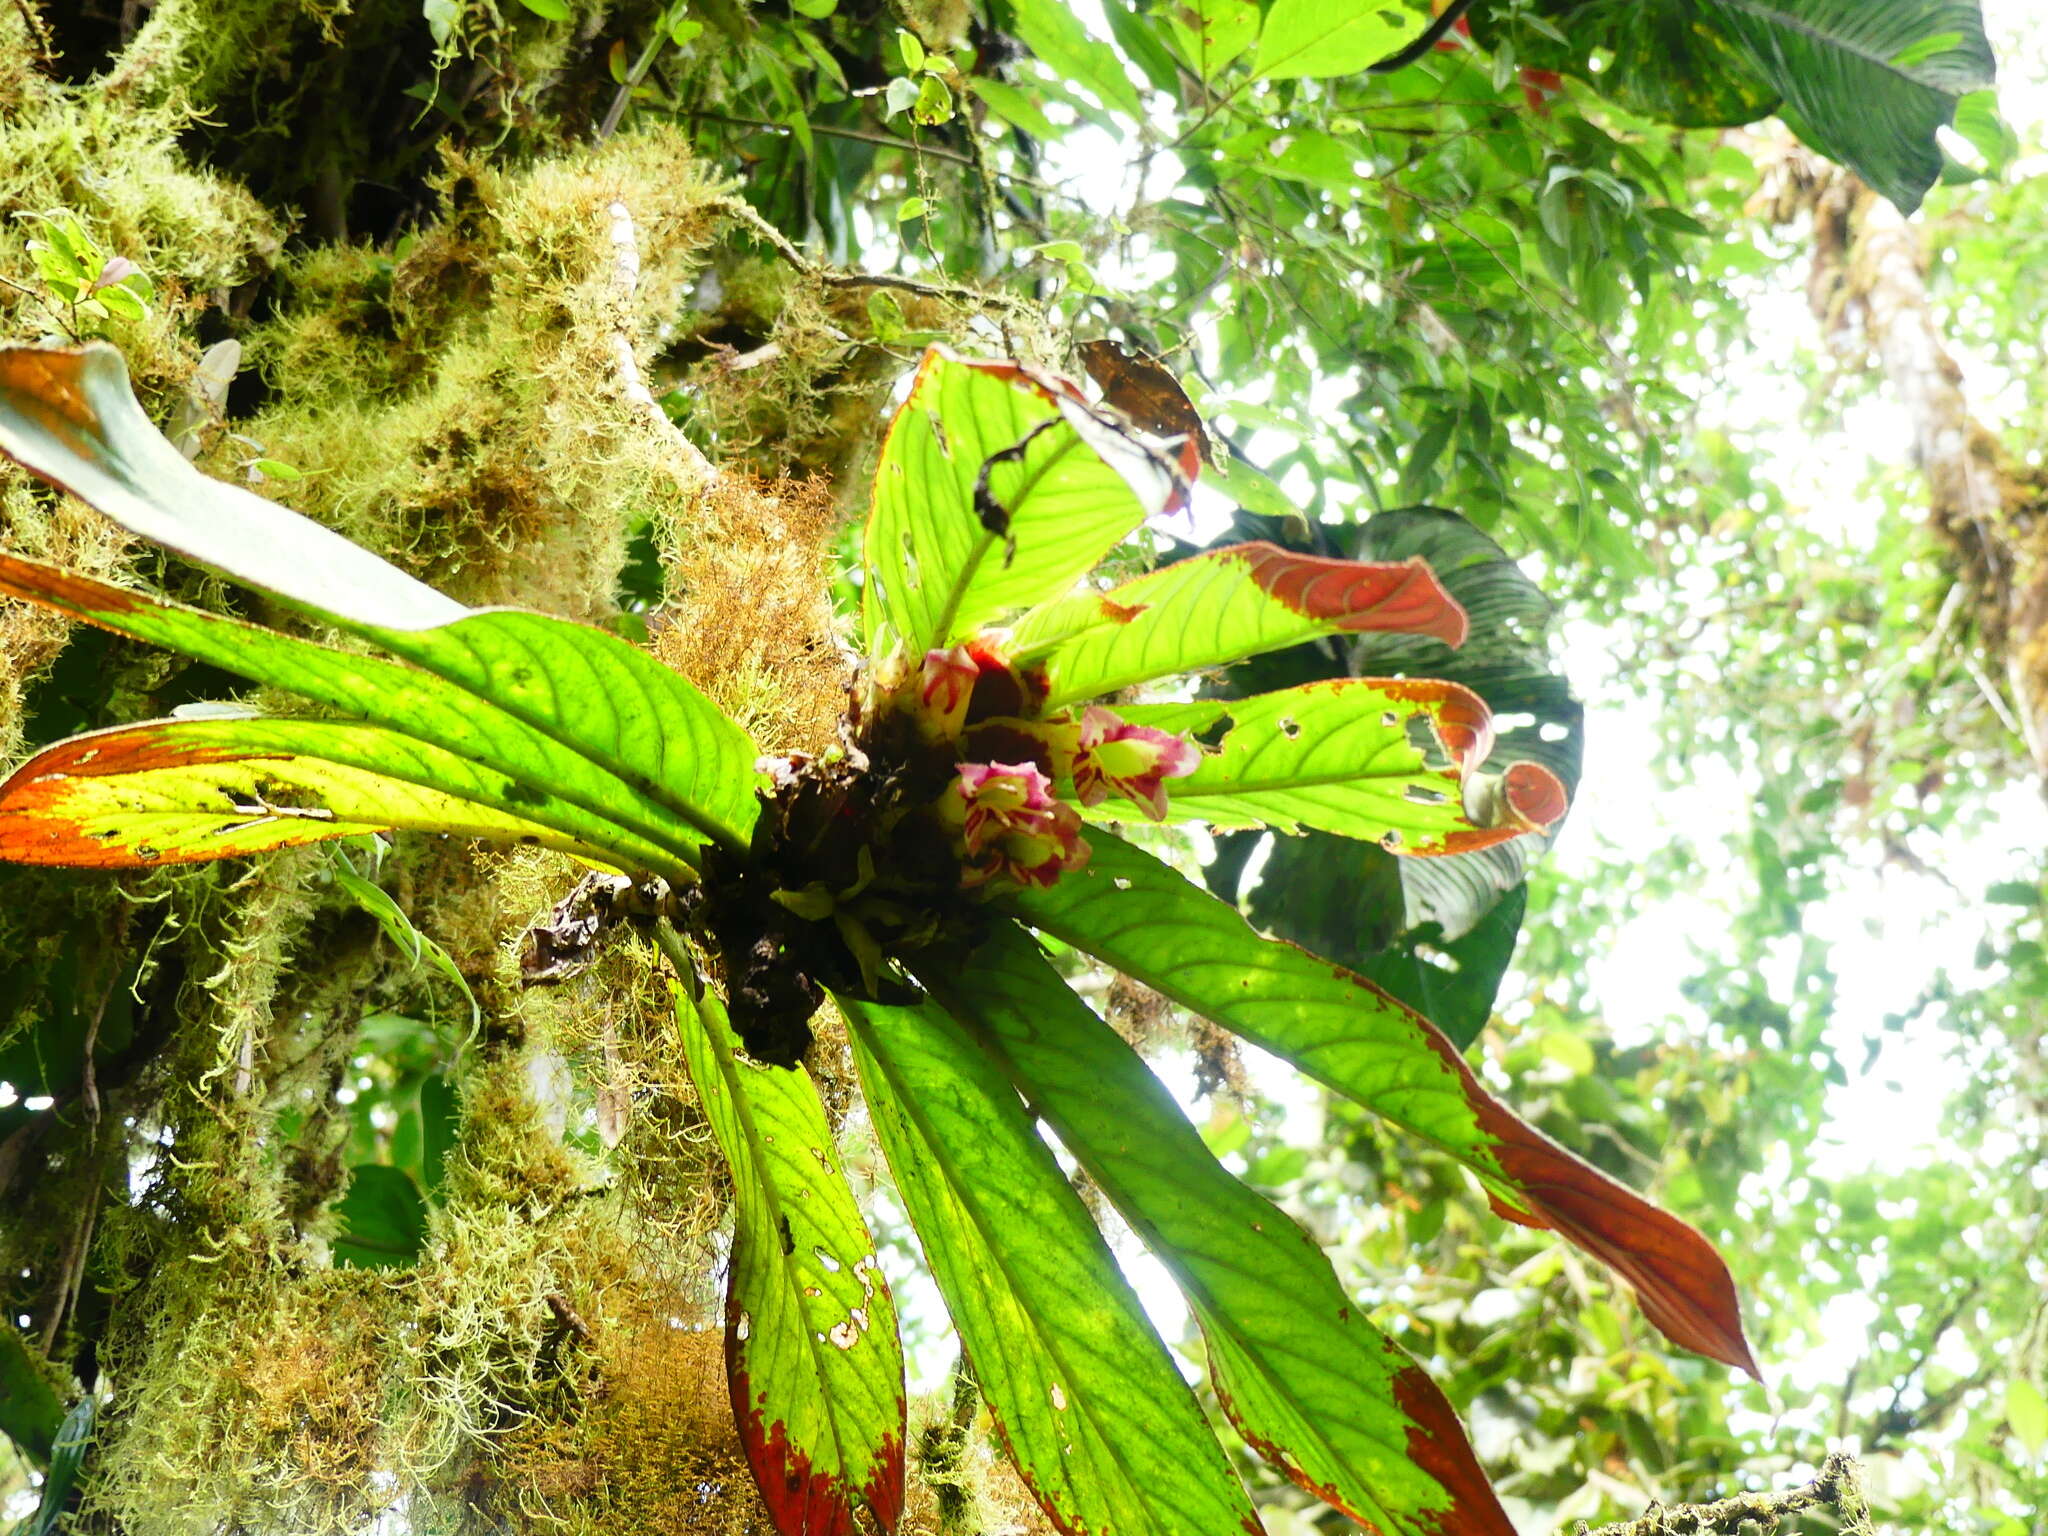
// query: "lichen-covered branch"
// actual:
[[1837, 1488]]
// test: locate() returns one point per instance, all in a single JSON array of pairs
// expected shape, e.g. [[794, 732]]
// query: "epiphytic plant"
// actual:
[[967, 803]]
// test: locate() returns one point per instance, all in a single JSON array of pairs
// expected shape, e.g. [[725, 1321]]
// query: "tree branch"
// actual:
[[626, 363], [1838, 1488], [959, 293]]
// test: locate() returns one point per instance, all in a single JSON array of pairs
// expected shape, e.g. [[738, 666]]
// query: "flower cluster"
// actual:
[[1005, 813]]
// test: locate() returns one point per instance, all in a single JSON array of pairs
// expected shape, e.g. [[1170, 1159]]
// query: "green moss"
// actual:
[[457, 400]]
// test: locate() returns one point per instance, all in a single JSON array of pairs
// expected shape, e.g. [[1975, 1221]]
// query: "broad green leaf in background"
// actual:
[[1050, 29], [1865, 82], [68, 414], [1311, 1384], [1382, 759], [404, 699], [1136, 914], [996, 490], [1321, 38], [175, 791], [812, 1352], [2026, 1414], [31, 1410], [1101, 1426], [1217, 608], [383, 1219]]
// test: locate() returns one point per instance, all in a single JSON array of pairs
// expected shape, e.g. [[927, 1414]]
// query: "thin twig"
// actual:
[[744, 213], [632, 384], [1838, 1487], [860, 135]]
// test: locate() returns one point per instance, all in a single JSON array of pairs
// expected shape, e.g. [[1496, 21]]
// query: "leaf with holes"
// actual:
[[811, 1348], [999, 487], [1220, 607], [1311, 1384], [585, 800], [1136, 914], [1387, 760], [1101, 1426], [176, 791]]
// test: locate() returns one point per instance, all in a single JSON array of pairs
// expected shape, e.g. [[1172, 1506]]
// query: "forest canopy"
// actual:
[[812, 766]]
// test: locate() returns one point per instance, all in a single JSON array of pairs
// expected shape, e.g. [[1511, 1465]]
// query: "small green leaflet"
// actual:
[[1100, 1424], [998, 487], [811, 1348], [1138, 915], [1380, 759], [1309, 1381], [1220, 607]]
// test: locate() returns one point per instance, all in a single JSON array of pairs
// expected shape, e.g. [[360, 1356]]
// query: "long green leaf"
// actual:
[[174, 791], [1218, 608], [811, 1347], [1059, 484], [1099, 1422], [68, 414], [1133, 912], [401, 698], [1382, 759], [1308, 1380], [604, 700]]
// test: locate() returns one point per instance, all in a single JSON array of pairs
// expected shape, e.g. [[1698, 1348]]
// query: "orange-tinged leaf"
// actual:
[[1133, 912], [1219, 607], [180, 791]]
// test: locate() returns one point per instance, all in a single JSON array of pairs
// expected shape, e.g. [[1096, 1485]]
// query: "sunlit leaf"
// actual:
[[438, 712], [1308, 1380], [1218, 608], [68, 414], [998, 488], [812, 1353], [175, 791], [1320, 38], [1099, 1422], [1381, 759], [1136, 914]]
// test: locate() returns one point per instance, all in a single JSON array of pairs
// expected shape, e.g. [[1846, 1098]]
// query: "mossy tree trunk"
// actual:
[[455, 300]]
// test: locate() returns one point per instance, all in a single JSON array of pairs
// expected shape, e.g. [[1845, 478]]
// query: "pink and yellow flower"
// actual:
[[1009, 825], [1115, 756]]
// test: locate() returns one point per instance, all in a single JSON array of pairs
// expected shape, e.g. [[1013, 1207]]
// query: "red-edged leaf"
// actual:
[[1133, 912], [1220, 607], [811, 1348], [1303, 1373], [178, 791], [610, 734], [1102, 1428], [1389, 760], [68, 414]]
